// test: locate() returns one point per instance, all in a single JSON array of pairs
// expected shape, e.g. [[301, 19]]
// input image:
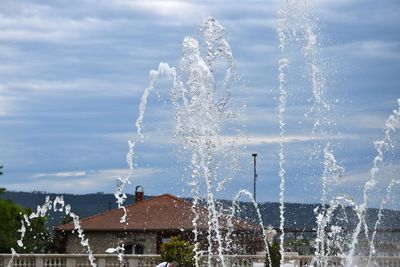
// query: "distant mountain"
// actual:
[[299, 216], [302, 216], [82, 205]]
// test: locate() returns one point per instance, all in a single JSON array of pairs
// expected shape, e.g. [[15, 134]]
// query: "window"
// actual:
[[139, 249], [134, 249], [128, 249]]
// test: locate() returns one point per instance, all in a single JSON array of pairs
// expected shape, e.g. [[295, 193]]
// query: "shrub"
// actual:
[[275, 255], [178, 250]]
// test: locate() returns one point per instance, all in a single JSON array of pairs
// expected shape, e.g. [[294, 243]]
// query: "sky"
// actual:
[[72, 74]]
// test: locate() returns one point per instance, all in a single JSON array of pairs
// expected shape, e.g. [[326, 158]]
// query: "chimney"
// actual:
[[139, 193]]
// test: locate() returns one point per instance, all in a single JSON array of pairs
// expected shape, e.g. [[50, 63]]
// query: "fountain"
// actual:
[[296, 25], [202, 103], [199, 119], [201, 109]]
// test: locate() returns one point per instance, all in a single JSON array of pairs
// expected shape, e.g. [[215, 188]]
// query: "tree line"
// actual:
[[38, 238]]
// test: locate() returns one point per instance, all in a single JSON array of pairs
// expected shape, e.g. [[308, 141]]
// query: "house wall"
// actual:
[[243, 243], [101, 241]]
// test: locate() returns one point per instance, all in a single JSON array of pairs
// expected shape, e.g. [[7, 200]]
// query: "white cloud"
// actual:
[[61, 174], [112, 174], [377, 49], [275, 139], [9, 51], [386, 173], [370, 49], [267, 22], [356, 12], [5, 101], [3, 106], [150, 137], [46, 85], [357, 178], [50, 28], [9, 68], [16, 92], [175, 10], [90, 47], [368, 121], [158, 138], [83, 181], [263, 49]]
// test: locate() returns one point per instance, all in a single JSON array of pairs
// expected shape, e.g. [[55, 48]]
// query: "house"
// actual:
[[151, 222]]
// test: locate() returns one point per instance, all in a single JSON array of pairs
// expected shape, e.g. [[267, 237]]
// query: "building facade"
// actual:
[[151, 222]]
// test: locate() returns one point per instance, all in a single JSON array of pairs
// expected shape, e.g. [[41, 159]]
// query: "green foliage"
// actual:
[[37, 238], [297, 242], [178, 250], [275, 255]]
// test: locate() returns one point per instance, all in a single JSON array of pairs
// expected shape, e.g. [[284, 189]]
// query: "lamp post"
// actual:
[[255, 174]]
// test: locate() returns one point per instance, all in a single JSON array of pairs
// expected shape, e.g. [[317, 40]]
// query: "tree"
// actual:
[[178, 250], [275, 255], [37, 237]]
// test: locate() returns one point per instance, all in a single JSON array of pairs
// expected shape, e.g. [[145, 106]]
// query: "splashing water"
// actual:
[[391, 125], [361, 211], [325, 213], [372, 250], [163, 68], [234, 208], [120, 250], [296, 25], [123, 181], [198, 117], [283, 64], [57, 205], [201, 108], [13, 255], [382, 146], [332, 172], [335, 240]]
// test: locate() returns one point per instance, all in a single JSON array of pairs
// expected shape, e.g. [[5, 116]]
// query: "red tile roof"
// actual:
[[165, 212]]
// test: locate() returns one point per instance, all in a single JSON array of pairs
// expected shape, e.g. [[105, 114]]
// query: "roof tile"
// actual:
[[165, 212]]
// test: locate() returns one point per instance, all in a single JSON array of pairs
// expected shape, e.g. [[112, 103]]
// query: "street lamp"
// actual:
[[255, 174]]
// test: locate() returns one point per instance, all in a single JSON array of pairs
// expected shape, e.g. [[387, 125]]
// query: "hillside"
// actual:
[[296, 215], [82, 205]]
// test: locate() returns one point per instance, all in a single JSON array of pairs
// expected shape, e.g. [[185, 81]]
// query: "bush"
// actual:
[[275, 255], [178, 250]]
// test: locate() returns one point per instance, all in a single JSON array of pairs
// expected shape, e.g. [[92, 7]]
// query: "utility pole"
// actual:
[[255, 175]]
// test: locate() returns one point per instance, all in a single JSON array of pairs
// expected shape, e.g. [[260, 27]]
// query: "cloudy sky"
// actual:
[[72, 74]]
